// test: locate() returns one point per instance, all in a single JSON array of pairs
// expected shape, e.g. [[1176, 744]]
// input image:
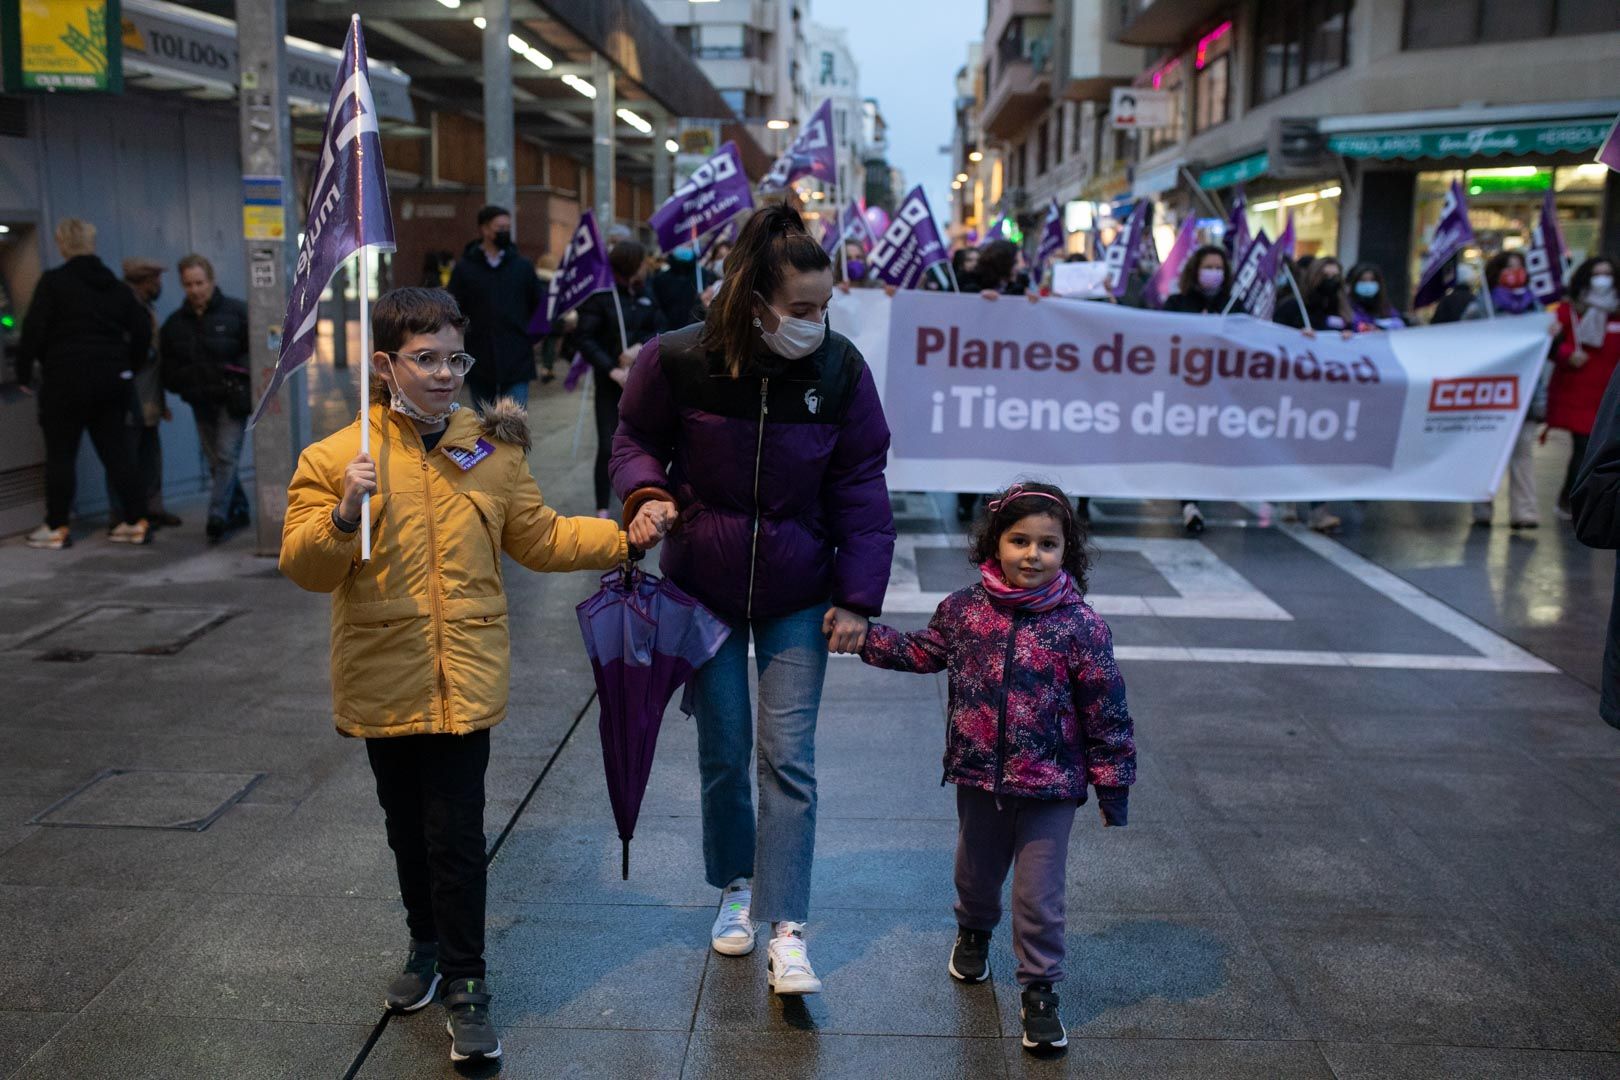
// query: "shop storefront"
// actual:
[[1313, 205]]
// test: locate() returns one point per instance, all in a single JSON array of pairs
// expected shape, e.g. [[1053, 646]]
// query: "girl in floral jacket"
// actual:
[[1037, 712]]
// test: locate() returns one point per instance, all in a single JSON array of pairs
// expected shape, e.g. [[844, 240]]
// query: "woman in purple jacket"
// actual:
[[757, 441]]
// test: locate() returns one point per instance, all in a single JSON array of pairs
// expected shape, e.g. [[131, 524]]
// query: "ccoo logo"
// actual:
[[1488, 393]]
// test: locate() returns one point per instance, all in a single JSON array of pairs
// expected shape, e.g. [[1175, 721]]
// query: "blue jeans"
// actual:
[[791, 655], [221, 436]]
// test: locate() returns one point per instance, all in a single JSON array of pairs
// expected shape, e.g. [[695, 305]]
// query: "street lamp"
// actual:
[[672, 146], [774, 125], [976, 157]]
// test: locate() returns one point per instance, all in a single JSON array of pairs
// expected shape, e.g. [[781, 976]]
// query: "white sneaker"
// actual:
[[789, 967], [733, 930], [138, 533], [50, 539]]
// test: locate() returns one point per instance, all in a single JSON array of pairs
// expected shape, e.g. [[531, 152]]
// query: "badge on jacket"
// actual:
[[465, 459]]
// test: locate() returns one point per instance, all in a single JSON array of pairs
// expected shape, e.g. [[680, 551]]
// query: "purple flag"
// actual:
[[725, 234], [1254, 277], [998, 231], [714, 194], [909, 246], [348, 208], [1286, 242], [1052, 237], [853, 226], [1164, 279], [1609, 153], [1237, 225], [1125, 253], [583, 271], [1545, 257], [1451, 234], [813, 153]]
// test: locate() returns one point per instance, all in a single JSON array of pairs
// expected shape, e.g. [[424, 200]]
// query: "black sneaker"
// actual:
[[472, 1032], [415, 986], [970, 956], [1042, 1029], [239, 520], [215, 529]]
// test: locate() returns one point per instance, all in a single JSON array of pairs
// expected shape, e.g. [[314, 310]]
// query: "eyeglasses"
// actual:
[[429, 362]]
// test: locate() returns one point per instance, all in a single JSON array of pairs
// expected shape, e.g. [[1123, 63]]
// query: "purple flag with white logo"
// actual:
[[1254, 277], [813, 153], [1609, 153], [715, 193], [853, 226], [583, 271], [1451, 234], [1125, 253], [1052, 237], [1237, 225], [348, 208], [909, 246], [1164, 278], [1544, 259]]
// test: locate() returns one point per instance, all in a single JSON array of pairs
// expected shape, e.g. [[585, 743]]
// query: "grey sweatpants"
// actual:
[[1031, 836]]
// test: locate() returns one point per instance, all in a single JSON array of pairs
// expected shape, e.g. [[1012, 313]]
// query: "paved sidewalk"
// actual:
[[1332, 869]]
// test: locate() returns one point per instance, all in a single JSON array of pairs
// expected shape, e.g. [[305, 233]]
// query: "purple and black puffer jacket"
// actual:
[[778, 475], [1037, 704]]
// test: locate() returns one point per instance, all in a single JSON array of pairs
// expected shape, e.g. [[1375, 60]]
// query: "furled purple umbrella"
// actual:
[[645, 638]]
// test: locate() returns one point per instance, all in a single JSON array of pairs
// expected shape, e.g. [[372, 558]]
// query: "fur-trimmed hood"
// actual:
[[507, 421]]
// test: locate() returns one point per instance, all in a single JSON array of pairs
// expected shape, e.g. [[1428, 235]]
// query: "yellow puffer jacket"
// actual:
[[419, 637]]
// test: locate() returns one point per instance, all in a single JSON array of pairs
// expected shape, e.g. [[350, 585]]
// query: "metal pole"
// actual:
[[500, 186], [602, 140], [364, 272], [663, 161], [1305, 316], [266, 140]]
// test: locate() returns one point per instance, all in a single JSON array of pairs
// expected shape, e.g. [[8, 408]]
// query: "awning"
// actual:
[[1240, 171], [170, 44], [1162, 179], [1487, 140]]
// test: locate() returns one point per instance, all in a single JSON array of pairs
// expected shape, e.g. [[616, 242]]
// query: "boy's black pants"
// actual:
[[432, 792]]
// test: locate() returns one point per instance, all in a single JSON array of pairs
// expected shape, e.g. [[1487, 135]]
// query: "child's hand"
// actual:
[[359, 480], [845, 630], [652, 522], [1112, 803]]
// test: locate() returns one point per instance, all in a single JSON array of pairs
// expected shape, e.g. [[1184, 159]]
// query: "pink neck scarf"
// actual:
[[1055, 593]]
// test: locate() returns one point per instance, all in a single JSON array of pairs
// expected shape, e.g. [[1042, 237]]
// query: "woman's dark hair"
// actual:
[[774, 240], [400, 314], [1034, 498], [1385, 308], [1581, 279], [997, 261], [1312, 284], [627, 258], [489, 213], [1498, 263], [1189, 269]]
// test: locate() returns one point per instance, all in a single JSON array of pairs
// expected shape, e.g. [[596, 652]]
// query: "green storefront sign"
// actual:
[[1240, 171], [1506, 140], [61, 46]]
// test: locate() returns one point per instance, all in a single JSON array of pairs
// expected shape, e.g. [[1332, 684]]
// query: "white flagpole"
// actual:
[[365, 394], [624, 339], [1485, 291], [838, 218], [697, 262]]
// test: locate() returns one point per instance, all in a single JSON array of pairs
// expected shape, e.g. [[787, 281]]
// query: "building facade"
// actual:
[[832, 75]]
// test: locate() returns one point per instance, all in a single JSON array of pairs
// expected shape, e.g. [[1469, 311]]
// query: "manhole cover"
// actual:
[[128, 628], [149, 799]]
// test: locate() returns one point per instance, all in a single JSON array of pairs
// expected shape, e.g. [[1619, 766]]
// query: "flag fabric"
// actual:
[[1052, 237], [584, 270], [813, 153], [712, 196], [1254, 277], [853, 226], [1164, 278], [1125, 253], [348, 208], [1452, 233], [1237, 226], [1545, 257], [998, 231], [909, 246], [1609, 153], [1286, 242], [725, 234]]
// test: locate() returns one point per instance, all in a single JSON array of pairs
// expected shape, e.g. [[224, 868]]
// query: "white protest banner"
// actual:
[[1114, 401], [1084, 280]]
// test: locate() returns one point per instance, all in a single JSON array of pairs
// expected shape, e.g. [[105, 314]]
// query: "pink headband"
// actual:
[[1017, 491]]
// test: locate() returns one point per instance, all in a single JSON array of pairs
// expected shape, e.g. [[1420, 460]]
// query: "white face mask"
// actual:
[[794, 338], [409, 409], [1602, 282]]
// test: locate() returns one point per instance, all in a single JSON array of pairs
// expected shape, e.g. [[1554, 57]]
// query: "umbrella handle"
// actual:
[[625, 867], [633, 555]]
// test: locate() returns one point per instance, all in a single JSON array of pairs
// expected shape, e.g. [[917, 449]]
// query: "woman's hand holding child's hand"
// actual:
[[845, 630]]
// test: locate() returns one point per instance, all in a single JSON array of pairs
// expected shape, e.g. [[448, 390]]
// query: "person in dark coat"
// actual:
[[1205, 288], [674, 290], [597, 339], [498, 291], [206, 360], [145, 279], [1327, 307], [88, 335], [761, 432]]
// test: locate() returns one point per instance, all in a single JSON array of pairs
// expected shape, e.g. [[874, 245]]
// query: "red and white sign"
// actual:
[[1492, 393]]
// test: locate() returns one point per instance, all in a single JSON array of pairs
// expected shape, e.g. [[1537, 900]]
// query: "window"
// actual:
[[721, 42], [1041, 156], [1299, 43], [1434, 24], [736, 101], [1212, 95], [1170, 77]]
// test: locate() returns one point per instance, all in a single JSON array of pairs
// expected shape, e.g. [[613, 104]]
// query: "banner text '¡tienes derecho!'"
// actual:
[[1195, 366]]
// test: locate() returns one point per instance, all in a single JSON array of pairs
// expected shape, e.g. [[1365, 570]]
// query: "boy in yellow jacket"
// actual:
[[420, 657]]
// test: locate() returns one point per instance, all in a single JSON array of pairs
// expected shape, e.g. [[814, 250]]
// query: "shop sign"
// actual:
[[1135, 108], [1516, 140], [48, 45], [1240, 171]]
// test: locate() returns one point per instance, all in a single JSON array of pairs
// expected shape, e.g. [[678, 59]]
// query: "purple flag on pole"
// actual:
[[1451, 234], [348, 208], [813, 153], [1125, 253], [1285, 242], [1237, 225], [1164, 279], [1609, 153], [1254, 277], [909, 246], [714, 194], [583, 271], [1052, 236], [998, 231], [1545, 258], [853, 226]]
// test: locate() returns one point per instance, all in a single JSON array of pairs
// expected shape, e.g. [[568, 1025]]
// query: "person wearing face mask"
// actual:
[[1584, 359], [1370, 305], [420, 652], [757, 440], [674, 289], [610, 357], [1205, 288], [498, 291]]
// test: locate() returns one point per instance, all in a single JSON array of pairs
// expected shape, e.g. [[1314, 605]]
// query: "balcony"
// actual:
[[1165, 22], [1018, 78]]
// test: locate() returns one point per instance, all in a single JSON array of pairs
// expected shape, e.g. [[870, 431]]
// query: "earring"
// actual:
[[758, 323]]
